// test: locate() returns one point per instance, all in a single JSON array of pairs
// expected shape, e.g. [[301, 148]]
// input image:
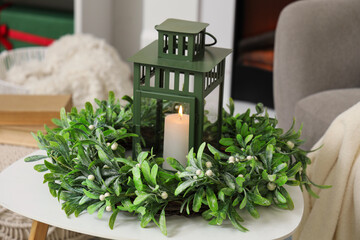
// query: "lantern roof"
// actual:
[[181, 26], [212, 56]]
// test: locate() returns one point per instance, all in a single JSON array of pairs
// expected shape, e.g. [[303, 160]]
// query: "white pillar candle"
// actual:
[[176, 138]]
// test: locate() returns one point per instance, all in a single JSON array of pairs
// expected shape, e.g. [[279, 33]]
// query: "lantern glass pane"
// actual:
[[153, 114], [210, 129]]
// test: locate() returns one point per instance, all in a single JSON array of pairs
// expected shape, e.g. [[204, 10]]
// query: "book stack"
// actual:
[[22, 114]]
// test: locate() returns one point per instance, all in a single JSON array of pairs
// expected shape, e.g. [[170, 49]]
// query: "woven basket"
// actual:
[[16, 57]]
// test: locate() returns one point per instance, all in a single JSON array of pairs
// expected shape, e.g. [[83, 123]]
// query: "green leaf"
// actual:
[[221, 195], [295, 169], [198, 200], [229, 180], [199, 154], [243, 203], [280, 197], [142, 156], [84, 199], [153, 174], [320, 186], [238, 126], [34, 158], [89, 109], [244, 129], [53, 168], [141, 210], [207, 215], [113, 218], [126, 161], [288, 198], [240, 140], [211, 199], [236, 201], [90, 194], [293, 183], [214, 151], [191, 159], [310, 191], [258, 199], [57, 122], [137, 178], [111, 98], [117, 187], [235, 222], [101, 211], [226, 141], [175, 164], [162, 222], [184, 186], [145, 219], [248, 138], [269, 155], [259, 108], [40, 167], [240, 181], [252, 210], [280, 168], [145, 169], [95, 206], [233, 149], [93, 185], [281, 180], [63, 118], [140, 198]]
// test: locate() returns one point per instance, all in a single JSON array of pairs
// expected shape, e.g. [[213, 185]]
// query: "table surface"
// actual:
[[22, 191]]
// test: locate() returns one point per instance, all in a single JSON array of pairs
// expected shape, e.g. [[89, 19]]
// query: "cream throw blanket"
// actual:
[[336, 215]]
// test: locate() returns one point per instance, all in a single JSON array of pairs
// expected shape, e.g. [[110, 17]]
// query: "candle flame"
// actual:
[[180, 112]]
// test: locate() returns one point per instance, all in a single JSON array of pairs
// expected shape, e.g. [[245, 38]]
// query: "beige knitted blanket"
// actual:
[[336, 214], [14, 226]]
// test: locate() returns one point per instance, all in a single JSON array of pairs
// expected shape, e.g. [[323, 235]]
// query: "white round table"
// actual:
[[22, 191]]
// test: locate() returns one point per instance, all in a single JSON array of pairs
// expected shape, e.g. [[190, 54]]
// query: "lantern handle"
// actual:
[[213, 37]]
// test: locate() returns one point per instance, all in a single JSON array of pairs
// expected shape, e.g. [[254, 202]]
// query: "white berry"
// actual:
[[91, 127], [91, 177], [107, 194], [108, 208], [164, 195], [194, 177], [198, 172], [209, 173], [108, 144], [240, 175], [102, 197], [105, 166], [208, 164], [137, 165], [249, 157], [271, 186], [114, 146], [290, 144], [231, 159]]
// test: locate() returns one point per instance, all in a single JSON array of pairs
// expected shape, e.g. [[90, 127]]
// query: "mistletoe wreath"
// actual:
[[88, 171]]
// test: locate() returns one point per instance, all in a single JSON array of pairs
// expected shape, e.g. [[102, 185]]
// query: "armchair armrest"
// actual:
[[316, 49]]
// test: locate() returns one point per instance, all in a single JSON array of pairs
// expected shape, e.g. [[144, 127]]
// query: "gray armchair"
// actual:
[[316, 64]]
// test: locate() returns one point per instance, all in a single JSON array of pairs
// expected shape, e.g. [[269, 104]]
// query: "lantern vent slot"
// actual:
[[172, 80]]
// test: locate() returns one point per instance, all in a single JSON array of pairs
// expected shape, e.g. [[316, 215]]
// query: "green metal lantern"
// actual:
[[179, 67]]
